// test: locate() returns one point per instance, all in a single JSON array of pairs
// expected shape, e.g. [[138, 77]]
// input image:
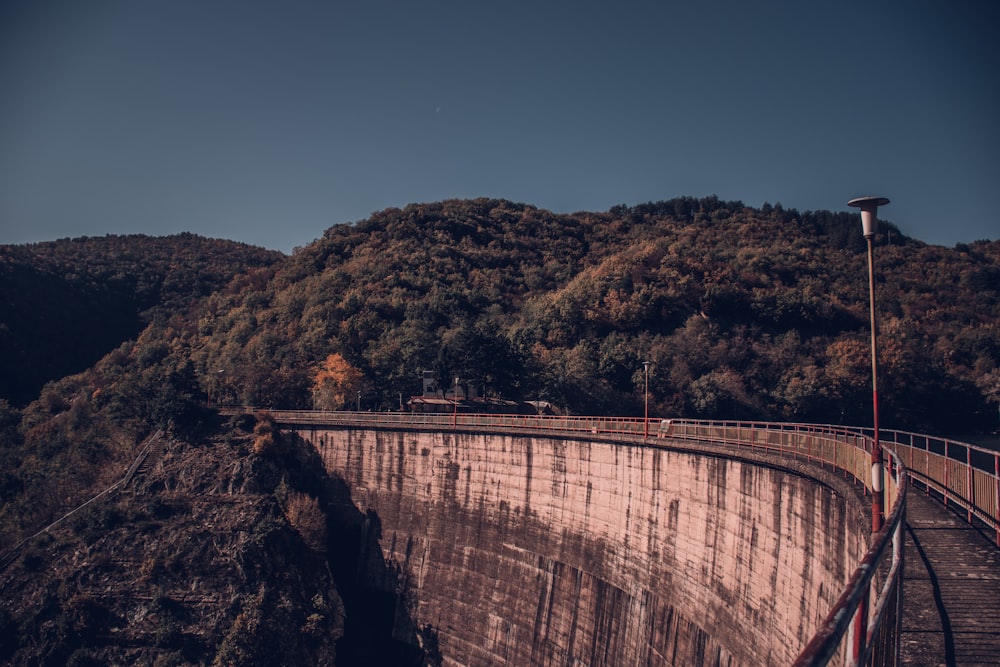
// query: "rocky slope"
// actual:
[[195, 562]]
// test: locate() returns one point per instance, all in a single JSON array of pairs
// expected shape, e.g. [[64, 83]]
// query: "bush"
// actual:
[[267, 437], [305, 515]]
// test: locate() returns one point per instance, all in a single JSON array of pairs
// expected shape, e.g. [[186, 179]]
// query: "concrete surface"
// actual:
[[521, 550]]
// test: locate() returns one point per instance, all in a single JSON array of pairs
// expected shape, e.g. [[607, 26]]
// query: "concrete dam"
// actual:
[[532, 549]]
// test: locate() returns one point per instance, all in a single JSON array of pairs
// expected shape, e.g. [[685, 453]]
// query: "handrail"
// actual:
[[881, 639], [863, 626], [960, 473]]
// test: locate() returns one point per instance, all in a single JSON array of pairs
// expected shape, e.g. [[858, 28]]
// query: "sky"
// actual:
[[269, 121]]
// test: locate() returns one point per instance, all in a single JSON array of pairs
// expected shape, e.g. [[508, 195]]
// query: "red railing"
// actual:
[[958, 473], [864, 625]]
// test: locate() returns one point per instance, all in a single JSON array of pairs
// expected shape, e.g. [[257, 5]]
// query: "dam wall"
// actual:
[[532, 550]]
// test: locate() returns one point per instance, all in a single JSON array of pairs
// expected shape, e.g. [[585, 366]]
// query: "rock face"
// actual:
[[194, 563], [521, 550]]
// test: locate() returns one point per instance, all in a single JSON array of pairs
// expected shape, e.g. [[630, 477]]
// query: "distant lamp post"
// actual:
[[869, 223], [645, 421], [454, 419], [359, 401]]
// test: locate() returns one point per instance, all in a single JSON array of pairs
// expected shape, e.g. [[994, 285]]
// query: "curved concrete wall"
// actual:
[[523, 550]]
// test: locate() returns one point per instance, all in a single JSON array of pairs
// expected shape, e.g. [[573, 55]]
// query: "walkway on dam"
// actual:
[[951, 588]]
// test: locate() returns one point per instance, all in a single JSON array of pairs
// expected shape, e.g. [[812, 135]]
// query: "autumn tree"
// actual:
[[334, 383]]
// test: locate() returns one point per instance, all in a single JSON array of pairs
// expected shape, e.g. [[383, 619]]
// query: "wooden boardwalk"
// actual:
[[951, 608]]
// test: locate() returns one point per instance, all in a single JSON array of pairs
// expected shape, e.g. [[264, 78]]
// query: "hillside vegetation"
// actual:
[[65, 304], [742, 313]]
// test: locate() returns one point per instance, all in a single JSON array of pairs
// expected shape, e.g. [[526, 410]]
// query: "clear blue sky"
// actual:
[[268, 122]]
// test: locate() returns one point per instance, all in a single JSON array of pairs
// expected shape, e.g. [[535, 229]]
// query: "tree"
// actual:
[[335, 383], [477, 353]]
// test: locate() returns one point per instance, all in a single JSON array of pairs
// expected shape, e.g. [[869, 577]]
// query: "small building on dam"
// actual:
[[521, 549]]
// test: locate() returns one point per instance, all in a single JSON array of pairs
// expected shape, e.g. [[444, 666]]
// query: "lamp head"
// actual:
[[869, 206]]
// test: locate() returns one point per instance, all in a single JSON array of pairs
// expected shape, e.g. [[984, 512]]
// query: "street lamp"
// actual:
[[454, 419], [645, 429], [869, 207]]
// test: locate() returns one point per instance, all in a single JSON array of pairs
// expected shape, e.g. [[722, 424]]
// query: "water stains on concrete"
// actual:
[[536, 551]]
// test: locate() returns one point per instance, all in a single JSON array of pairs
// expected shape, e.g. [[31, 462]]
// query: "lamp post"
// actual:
[[454, 419], [645, 422], [869, 223]]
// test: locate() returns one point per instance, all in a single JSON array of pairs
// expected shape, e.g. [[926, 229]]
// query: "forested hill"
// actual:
[[65, 304], [743, 313]]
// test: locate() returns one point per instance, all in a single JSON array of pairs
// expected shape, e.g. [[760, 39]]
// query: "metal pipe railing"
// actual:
[[960, 473]]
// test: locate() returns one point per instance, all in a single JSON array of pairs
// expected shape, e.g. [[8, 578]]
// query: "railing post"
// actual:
[[947, 482], [996, 495], [911, 451], [899, 554], [860, 630], [927, 465], [969, 489]]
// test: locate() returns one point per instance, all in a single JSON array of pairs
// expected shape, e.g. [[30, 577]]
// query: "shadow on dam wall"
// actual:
[[512, 549], [376, 629]]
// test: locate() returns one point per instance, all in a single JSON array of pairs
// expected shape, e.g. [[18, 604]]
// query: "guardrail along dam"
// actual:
[[522, 549]]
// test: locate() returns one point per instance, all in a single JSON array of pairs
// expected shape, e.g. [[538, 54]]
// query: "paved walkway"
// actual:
[[951, 589]]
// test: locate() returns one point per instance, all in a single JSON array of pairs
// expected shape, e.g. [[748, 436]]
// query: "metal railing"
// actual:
[[864, 625], [958, 473]]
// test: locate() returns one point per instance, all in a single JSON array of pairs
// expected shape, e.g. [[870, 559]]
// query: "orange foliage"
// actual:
[[334, 383]]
